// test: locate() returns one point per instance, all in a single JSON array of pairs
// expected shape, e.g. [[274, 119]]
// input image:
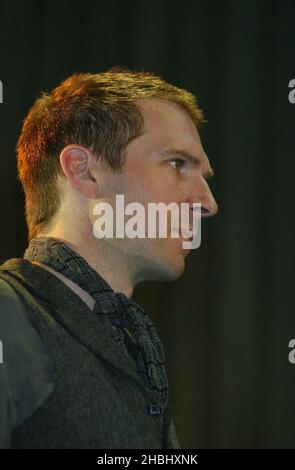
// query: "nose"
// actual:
[[209, 212], [209, 207]]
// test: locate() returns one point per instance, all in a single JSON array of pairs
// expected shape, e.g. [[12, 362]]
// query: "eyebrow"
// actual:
[[188, 156]]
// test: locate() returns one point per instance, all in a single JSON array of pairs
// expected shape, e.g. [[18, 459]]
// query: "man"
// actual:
[[83, 366]]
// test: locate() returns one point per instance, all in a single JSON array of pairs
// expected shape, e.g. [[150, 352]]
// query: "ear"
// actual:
[[77, 162]]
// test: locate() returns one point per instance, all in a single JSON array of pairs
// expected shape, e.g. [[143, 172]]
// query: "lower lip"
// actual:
[[185, 236]]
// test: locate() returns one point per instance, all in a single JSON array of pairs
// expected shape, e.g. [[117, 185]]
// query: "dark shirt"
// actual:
[[26, 372]]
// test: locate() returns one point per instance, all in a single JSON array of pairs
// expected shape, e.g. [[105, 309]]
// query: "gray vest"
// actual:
[[99, 400]]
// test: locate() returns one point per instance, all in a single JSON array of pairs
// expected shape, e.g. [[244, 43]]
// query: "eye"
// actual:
[[179, 163]]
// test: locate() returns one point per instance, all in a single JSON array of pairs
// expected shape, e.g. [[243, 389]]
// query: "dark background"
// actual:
[[226, 323]]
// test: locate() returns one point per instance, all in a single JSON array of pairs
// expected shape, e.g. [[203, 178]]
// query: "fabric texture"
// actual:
[[126, 318], [103, 385], [26, 374]]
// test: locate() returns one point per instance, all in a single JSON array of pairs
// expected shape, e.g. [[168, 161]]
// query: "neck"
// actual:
[[104, 259]]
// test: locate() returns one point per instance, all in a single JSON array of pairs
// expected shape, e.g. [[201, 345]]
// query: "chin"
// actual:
[[169, 269], [162, 262]]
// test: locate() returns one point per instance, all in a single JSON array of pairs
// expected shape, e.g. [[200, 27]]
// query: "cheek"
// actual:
[[141, 187], [153, 192], [148, 184]]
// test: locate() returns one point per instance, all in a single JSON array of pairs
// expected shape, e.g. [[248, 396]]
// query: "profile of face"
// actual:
[[167, 163]]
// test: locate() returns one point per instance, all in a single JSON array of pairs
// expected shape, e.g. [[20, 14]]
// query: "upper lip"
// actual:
[[185, 230]]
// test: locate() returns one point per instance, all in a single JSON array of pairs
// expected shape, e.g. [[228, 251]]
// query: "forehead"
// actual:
[[167, 125]]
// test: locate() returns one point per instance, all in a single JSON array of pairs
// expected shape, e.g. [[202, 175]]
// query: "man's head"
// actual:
[[98, 135]]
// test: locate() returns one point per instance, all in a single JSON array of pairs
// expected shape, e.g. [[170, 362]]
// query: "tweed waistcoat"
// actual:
[[99, 400]]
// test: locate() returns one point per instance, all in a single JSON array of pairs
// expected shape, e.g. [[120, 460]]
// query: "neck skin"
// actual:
[[111, 264]]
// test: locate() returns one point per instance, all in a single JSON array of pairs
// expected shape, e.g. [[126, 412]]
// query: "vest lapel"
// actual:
[[69, 310]]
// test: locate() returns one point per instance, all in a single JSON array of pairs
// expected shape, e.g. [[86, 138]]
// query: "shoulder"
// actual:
[[14, 323], [25, 357], [7, 295], [11, 310], [20, 339]]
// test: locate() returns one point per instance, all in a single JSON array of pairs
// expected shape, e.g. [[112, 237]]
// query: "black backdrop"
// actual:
[[227, 322]]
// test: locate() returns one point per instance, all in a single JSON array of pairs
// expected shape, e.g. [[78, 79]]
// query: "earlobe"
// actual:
[[75, 162]]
